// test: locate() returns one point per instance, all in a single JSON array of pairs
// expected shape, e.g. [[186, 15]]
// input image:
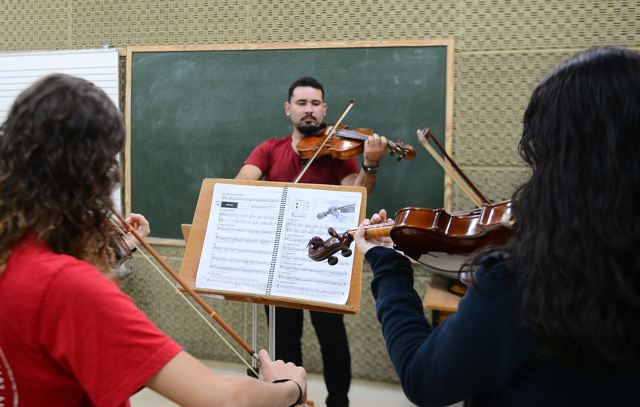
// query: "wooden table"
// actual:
[[439, 300]]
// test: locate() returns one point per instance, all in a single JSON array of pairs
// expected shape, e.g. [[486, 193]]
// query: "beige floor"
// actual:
[[362, 393]]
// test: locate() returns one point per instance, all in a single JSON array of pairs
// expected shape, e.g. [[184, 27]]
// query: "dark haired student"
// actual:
[[68, 335], [552, 318], [278, 160]]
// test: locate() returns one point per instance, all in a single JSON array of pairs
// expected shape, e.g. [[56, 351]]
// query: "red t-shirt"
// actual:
[[69, 336], [278, 161]]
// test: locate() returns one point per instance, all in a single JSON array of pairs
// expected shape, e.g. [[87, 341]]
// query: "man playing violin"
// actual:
[[278, 160]]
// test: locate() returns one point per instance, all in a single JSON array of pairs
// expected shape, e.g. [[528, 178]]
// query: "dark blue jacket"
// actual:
[[480, 353]]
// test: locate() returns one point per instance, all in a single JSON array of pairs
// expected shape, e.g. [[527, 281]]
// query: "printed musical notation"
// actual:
[[256, 241]]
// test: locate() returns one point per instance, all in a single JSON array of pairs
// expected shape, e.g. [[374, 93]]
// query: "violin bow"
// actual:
[[329, 135], [451, 168], [213, 314]]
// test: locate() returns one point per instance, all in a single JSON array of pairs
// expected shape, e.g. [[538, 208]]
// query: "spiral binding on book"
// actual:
[[276, 242]]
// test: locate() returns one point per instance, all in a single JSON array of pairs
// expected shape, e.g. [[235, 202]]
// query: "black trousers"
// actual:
[[332, 335]]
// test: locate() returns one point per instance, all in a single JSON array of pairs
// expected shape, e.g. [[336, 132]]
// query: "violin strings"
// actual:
[[376, 226], [353, 134], [205, 319]]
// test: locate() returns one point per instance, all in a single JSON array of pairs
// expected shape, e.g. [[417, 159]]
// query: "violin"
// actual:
[[346, 143], [421, 231], [434, 238]]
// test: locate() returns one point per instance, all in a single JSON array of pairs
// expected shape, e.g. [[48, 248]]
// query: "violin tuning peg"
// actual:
[[346, 252], [332, 260], [316, 242]]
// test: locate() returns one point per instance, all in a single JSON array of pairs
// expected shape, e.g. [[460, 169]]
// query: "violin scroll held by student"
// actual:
[[551, 318], [68, 335]]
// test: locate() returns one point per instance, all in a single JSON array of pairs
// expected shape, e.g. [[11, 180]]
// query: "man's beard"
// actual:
[[311, 129]]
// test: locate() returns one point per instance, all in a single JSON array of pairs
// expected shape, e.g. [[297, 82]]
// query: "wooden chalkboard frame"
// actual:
[[131, 50]]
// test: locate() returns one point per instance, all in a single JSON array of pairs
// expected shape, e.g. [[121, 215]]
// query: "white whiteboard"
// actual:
[[20, 70]]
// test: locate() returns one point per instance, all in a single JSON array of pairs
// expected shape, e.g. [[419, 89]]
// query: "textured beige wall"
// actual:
[[503, 48]]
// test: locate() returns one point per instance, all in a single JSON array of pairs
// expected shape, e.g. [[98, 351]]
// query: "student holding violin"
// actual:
[[551, 317], [68, 335], [278, 160]]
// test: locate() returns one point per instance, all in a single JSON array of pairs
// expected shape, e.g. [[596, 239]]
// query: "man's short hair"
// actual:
[[305, 81]]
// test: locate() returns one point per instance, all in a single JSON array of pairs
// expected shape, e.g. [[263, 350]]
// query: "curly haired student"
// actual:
[[68, 335]]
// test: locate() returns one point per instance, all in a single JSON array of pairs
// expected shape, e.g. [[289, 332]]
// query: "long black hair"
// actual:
[[576, 246], [58, 168]]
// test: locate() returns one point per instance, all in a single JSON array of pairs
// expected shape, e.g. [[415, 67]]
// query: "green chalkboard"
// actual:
[[196, 114]]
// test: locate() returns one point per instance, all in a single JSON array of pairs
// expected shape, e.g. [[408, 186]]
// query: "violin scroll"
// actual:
[[404, 151], [319, 249]]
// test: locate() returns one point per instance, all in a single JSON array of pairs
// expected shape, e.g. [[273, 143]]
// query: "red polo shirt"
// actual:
[[279, 162]]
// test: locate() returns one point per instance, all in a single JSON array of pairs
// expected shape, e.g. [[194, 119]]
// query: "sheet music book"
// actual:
[[254, 243]]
